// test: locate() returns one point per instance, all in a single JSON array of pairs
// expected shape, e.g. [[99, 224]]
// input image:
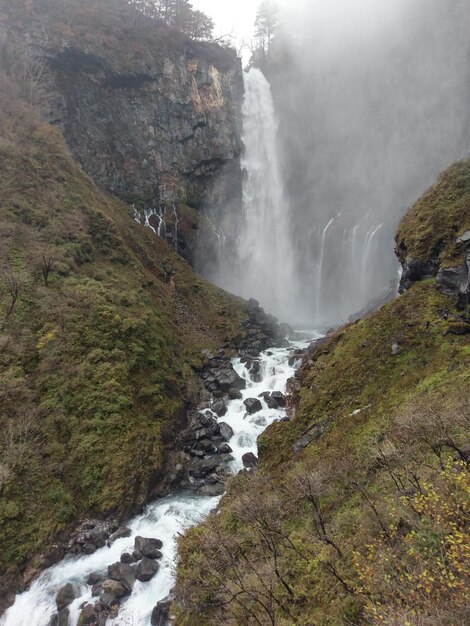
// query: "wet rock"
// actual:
[[97, 589], [235, 394], [206, 445], [123, 573], [65, 596], [95, 577], [415, 270], [212, 489], [250, 460], [120, 533], [53, 556], [224, 448], [161, 612], [229, 379], [88, 616], [128, 558], [226, 431], [148, 547], [111, 591], [280, 398], [146, 569], [90, 536], [201, 468], [253, 405], [271, 402], [220, 408], [60, 619]]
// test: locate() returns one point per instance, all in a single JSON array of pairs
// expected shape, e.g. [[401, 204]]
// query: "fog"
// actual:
[[372, 101]]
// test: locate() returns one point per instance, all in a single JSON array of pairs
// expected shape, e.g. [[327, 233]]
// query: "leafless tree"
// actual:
[[13, 285]]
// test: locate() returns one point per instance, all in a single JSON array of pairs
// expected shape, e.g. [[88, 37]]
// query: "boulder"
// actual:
[[60, 619], [121, 532], [128, 558], [97, 589], [112, 591], [224, 448], [219, 408], [212, 490], [227, 379], [226, 431], [146, 569], [253, 405], [148, 547], [161, 612], [206, 445], [234, 394], [65, 596], [88, 616], [250, 460], [200, 468], [95, 577], [271, 402], [123, 573], [280, 398]]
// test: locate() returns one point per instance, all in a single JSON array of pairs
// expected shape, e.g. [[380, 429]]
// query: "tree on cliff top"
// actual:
[[178, 14], [266, 25]]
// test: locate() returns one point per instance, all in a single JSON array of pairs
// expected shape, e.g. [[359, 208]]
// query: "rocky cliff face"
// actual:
[[163, 130], [155, 121]]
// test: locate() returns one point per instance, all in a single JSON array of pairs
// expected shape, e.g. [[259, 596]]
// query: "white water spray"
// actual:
[[264, 249]]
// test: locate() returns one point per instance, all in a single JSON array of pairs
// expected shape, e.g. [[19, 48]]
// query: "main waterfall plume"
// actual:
[[265, 268]]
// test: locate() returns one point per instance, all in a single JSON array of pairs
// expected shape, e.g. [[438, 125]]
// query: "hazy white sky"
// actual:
[[236, 15]]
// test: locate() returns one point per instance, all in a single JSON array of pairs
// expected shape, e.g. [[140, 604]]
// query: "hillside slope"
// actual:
[[358, 512], [100, 325]]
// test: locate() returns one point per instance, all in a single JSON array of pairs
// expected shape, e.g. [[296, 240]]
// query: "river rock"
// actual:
[[235, 394], [146, 570], [220, 408], [97, 589], [65, 596], [128, 558], [90, 536], [95, 577], [88, 617], [121, 532], [253, 405], [148, 547], [226, 431], [161, 612], [212, 490], [123, 573], [250, 460], [280, 398], [60, 619], [200, 468], [271, 402], [112, 590], [224, 448]]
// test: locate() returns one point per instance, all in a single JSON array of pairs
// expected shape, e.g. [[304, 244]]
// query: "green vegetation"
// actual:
[[431, 227], [369, 523], [100, 325]]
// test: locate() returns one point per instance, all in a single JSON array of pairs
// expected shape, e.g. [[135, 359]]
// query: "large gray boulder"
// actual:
[[146, 569], [65, 596], [148, 547], [123, 573], [253, 405], [112, 591]]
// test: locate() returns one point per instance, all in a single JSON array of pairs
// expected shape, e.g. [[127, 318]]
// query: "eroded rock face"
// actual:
[[166, 127]]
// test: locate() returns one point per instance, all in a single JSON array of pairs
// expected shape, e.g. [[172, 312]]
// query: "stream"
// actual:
[[164, 519]]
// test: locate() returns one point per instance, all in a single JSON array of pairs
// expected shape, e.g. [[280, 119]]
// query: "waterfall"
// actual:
[[320, 267], [264, 249]]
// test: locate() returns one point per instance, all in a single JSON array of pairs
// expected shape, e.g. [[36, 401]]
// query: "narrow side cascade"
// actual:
[[264, 267], [164, 519]]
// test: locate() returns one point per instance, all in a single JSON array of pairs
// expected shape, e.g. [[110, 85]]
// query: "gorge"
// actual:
[[173, 453]]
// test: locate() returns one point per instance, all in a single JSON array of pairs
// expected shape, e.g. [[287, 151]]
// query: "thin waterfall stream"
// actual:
[[164, 519]]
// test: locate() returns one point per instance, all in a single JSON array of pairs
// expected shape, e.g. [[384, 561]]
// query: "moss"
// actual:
[[430, 229]]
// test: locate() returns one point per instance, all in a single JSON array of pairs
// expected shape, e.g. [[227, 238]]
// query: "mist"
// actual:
[[372, 101]]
